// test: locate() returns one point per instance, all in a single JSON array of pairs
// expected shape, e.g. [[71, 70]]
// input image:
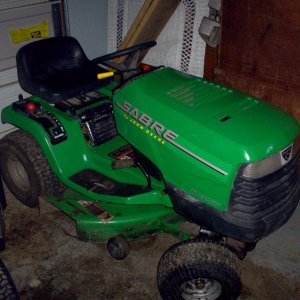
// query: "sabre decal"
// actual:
[[147, 121], [160, 129]]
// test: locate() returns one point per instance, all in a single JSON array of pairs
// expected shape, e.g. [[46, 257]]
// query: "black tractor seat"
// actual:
[[57, 69]]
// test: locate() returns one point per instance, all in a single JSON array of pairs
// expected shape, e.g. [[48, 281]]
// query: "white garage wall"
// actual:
[[177, 46], [88, 23]]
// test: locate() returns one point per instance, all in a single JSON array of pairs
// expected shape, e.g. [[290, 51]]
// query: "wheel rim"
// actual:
[[201, 289], [18, 173]]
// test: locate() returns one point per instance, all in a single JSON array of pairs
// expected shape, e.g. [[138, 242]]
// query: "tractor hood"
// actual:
[[227, 124], [186, 124]]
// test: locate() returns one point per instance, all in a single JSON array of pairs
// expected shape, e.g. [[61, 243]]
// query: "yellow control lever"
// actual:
[[105, 75]]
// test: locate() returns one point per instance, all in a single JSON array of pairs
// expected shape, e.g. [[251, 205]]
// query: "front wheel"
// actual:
[[118, 247], [198, 269]]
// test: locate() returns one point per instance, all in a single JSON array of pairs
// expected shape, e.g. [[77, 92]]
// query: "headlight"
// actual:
[[271, 164]]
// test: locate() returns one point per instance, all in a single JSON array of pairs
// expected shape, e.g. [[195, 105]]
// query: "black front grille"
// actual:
[[257, 207], [265, 203]]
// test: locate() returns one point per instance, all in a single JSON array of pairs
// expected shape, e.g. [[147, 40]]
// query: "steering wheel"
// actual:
[[131, 61]]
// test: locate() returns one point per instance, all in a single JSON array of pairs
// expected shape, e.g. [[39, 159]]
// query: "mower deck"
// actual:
[[97, 221]]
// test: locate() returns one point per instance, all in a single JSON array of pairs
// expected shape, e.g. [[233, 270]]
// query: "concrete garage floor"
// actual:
[[47, 262]]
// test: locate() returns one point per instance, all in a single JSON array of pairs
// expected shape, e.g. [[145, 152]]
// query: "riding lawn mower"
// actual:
[[129, 150]]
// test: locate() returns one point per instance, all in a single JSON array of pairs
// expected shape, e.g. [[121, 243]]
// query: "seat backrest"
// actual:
[[37, 59], [34, 59]]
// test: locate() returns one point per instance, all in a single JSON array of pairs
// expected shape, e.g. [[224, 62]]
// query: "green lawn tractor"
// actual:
[[128, 150]]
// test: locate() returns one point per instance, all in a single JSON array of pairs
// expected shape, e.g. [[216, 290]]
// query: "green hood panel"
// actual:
[[181, 122], [193, 107]]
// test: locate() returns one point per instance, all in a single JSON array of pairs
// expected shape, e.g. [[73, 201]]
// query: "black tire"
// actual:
[[118, 247], [25, 170], [203, 268], [2, 231], [8, 290]]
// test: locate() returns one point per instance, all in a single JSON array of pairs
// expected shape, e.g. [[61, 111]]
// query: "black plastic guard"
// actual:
[[256, 207]]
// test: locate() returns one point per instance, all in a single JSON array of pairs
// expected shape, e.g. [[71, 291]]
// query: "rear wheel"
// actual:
[[25, 169], [195, 269]]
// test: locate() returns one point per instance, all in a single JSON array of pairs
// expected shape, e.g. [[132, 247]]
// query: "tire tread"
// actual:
[[22, 141], [189, 258], [8, 290]]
